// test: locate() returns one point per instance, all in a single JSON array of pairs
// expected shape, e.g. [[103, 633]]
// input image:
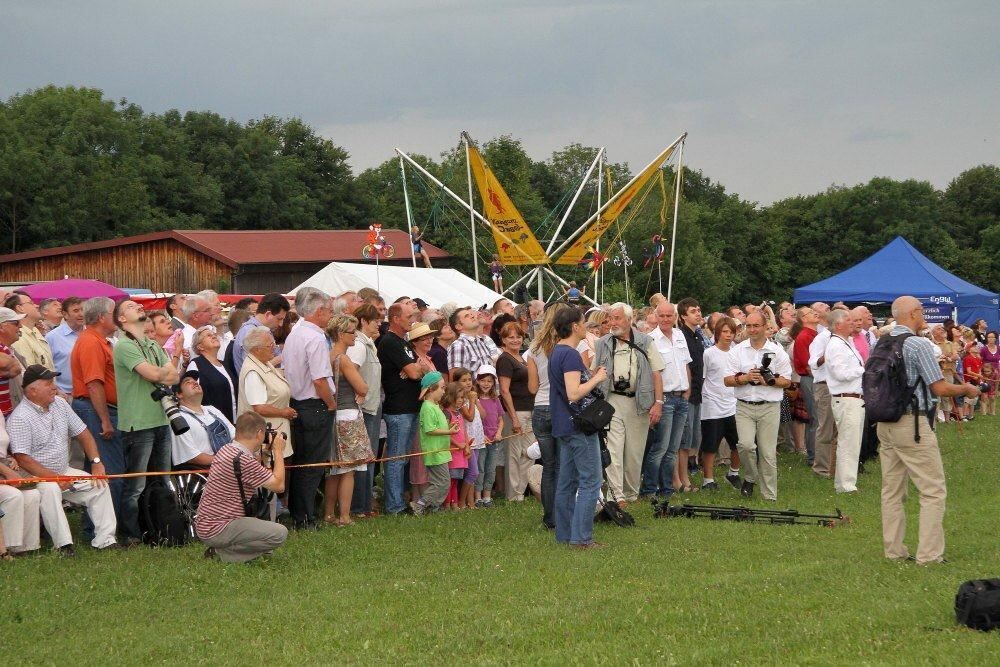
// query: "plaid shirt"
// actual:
[[44, 434], [471, 352], [920, 361]]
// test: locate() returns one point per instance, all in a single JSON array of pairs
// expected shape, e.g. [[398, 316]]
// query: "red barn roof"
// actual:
[[236, 247]]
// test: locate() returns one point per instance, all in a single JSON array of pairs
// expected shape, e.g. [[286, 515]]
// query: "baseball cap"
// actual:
[[193, 374], [429, 380], [36, 371], [8, 315]]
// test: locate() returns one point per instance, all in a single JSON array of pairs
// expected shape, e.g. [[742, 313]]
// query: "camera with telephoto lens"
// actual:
[[765, 370], [171, 408]]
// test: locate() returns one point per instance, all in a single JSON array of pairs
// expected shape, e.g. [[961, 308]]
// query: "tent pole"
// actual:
[[520, 280], [472, 218], [673, 235], [583, 227], [473, 212], [579, 191], [409, 213]]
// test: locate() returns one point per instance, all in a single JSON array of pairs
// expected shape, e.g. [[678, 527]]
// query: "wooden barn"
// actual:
[[183, 260]]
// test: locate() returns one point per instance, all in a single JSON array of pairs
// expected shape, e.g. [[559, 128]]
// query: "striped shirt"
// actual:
[[221, 502], [471, 352], [43, 434], [6, 405], [920, 361]]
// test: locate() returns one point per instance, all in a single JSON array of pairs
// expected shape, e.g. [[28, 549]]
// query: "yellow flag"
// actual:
[[615, 206], [516, 244]]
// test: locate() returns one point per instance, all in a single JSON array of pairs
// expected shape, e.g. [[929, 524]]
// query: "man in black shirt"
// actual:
[[690, 314], [401, 373]]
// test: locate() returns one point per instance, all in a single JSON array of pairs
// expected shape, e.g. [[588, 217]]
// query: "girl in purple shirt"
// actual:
[[489, 399]]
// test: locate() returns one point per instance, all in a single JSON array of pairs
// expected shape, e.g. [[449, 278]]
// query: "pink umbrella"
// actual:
[[85, 289]]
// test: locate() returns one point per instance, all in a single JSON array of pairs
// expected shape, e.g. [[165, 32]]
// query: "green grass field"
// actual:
[[491, 586]]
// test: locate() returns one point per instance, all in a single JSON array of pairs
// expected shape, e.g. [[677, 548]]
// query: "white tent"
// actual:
[[435, 286]]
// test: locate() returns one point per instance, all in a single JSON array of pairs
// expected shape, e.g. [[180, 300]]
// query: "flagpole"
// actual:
[[409, 214], [673, 235], [597, 247], [472, 217]]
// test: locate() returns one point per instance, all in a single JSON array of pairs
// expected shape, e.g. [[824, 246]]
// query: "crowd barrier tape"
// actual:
[[169, 473]]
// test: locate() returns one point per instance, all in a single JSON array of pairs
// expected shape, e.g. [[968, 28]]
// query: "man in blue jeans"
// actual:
[[140, 365], [401, 373], [658, 470]]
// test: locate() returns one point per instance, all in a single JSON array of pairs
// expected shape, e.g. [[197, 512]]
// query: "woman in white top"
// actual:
[[718, 406], [263, 388]]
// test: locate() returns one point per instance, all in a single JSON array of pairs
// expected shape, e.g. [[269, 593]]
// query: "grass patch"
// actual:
[[490, 586]]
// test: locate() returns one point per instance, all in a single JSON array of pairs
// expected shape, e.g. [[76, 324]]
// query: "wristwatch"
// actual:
[[95, 460]]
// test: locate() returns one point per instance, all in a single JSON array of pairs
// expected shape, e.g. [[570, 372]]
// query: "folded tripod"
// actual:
[[665, 510]]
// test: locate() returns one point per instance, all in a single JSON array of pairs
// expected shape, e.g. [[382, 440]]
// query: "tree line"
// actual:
[[77, 167]]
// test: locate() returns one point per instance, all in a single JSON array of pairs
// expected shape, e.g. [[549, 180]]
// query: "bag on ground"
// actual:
[[977, 604], [161, 519]]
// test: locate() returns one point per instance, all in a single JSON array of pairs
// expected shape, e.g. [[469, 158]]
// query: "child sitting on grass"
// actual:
[[492, 411], [435, 435], [454, 397], [474, 429]]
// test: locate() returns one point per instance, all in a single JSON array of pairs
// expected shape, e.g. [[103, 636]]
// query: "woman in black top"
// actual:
[[518, 401], [219, 388]]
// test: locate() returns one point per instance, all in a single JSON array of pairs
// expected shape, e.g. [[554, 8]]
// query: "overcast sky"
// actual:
[[779, 98]]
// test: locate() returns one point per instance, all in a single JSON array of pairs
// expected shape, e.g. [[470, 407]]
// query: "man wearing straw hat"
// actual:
[[40, 428]]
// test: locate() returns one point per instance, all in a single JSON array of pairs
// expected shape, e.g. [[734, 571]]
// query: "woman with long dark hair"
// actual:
[[579, 454]]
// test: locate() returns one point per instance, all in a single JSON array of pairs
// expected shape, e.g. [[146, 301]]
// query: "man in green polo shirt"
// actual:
[[140, 364]]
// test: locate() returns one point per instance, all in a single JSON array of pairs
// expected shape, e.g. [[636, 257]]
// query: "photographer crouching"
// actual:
[[235, 475]]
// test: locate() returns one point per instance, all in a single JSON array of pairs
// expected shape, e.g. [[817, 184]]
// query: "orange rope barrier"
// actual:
[[170, 473]]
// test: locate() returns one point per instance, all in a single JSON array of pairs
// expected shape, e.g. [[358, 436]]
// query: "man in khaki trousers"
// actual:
[[909, 448]]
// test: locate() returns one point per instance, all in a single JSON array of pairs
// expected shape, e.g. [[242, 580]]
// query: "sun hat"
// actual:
[[419, 330], [486, 369]]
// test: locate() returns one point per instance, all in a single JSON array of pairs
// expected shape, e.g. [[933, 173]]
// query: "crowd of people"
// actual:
[[452, 408]]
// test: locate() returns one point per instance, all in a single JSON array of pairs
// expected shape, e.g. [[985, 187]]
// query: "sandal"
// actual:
[[343, 524], [6, 555], [331, 518]]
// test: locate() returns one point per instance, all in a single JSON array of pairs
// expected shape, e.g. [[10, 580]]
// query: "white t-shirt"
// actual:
[[717, 400], [475, 431], [254, 389], [194, 441], [542, 364]]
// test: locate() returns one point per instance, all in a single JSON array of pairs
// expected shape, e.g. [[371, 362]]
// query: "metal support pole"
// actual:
[[409, 213], [472, 218], [600, 182], [673, 235]]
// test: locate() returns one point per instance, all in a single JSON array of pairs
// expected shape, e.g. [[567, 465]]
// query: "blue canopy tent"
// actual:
[[899, 269]]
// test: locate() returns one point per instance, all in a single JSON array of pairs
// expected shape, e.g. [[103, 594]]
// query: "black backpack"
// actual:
[[887, 393], [977, 604], [162, 521]]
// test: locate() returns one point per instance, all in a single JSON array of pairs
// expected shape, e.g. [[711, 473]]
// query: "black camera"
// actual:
[[984, 387], [621, 385], [765, 370], [171, 408]]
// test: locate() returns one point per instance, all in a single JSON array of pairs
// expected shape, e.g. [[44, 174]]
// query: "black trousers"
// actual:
[[312, 438]]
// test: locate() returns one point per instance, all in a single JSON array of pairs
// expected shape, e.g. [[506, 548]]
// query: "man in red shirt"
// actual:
[[222, 522], [809, 319], [95, 400], [10, 367]]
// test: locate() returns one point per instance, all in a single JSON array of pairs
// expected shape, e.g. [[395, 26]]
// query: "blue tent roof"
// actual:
[[896, 270]]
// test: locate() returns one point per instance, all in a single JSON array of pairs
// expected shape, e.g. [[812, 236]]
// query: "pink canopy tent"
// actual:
[[61, 289]]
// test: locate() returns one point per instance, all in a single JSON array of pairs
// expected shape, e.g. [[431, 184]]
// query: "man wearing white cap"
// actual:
[[10, 366]]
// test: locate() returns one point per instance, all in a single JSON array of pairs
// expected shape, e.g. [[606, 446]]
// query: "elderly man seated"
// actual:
[[40, 429], [18, 506], [208, 429]]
